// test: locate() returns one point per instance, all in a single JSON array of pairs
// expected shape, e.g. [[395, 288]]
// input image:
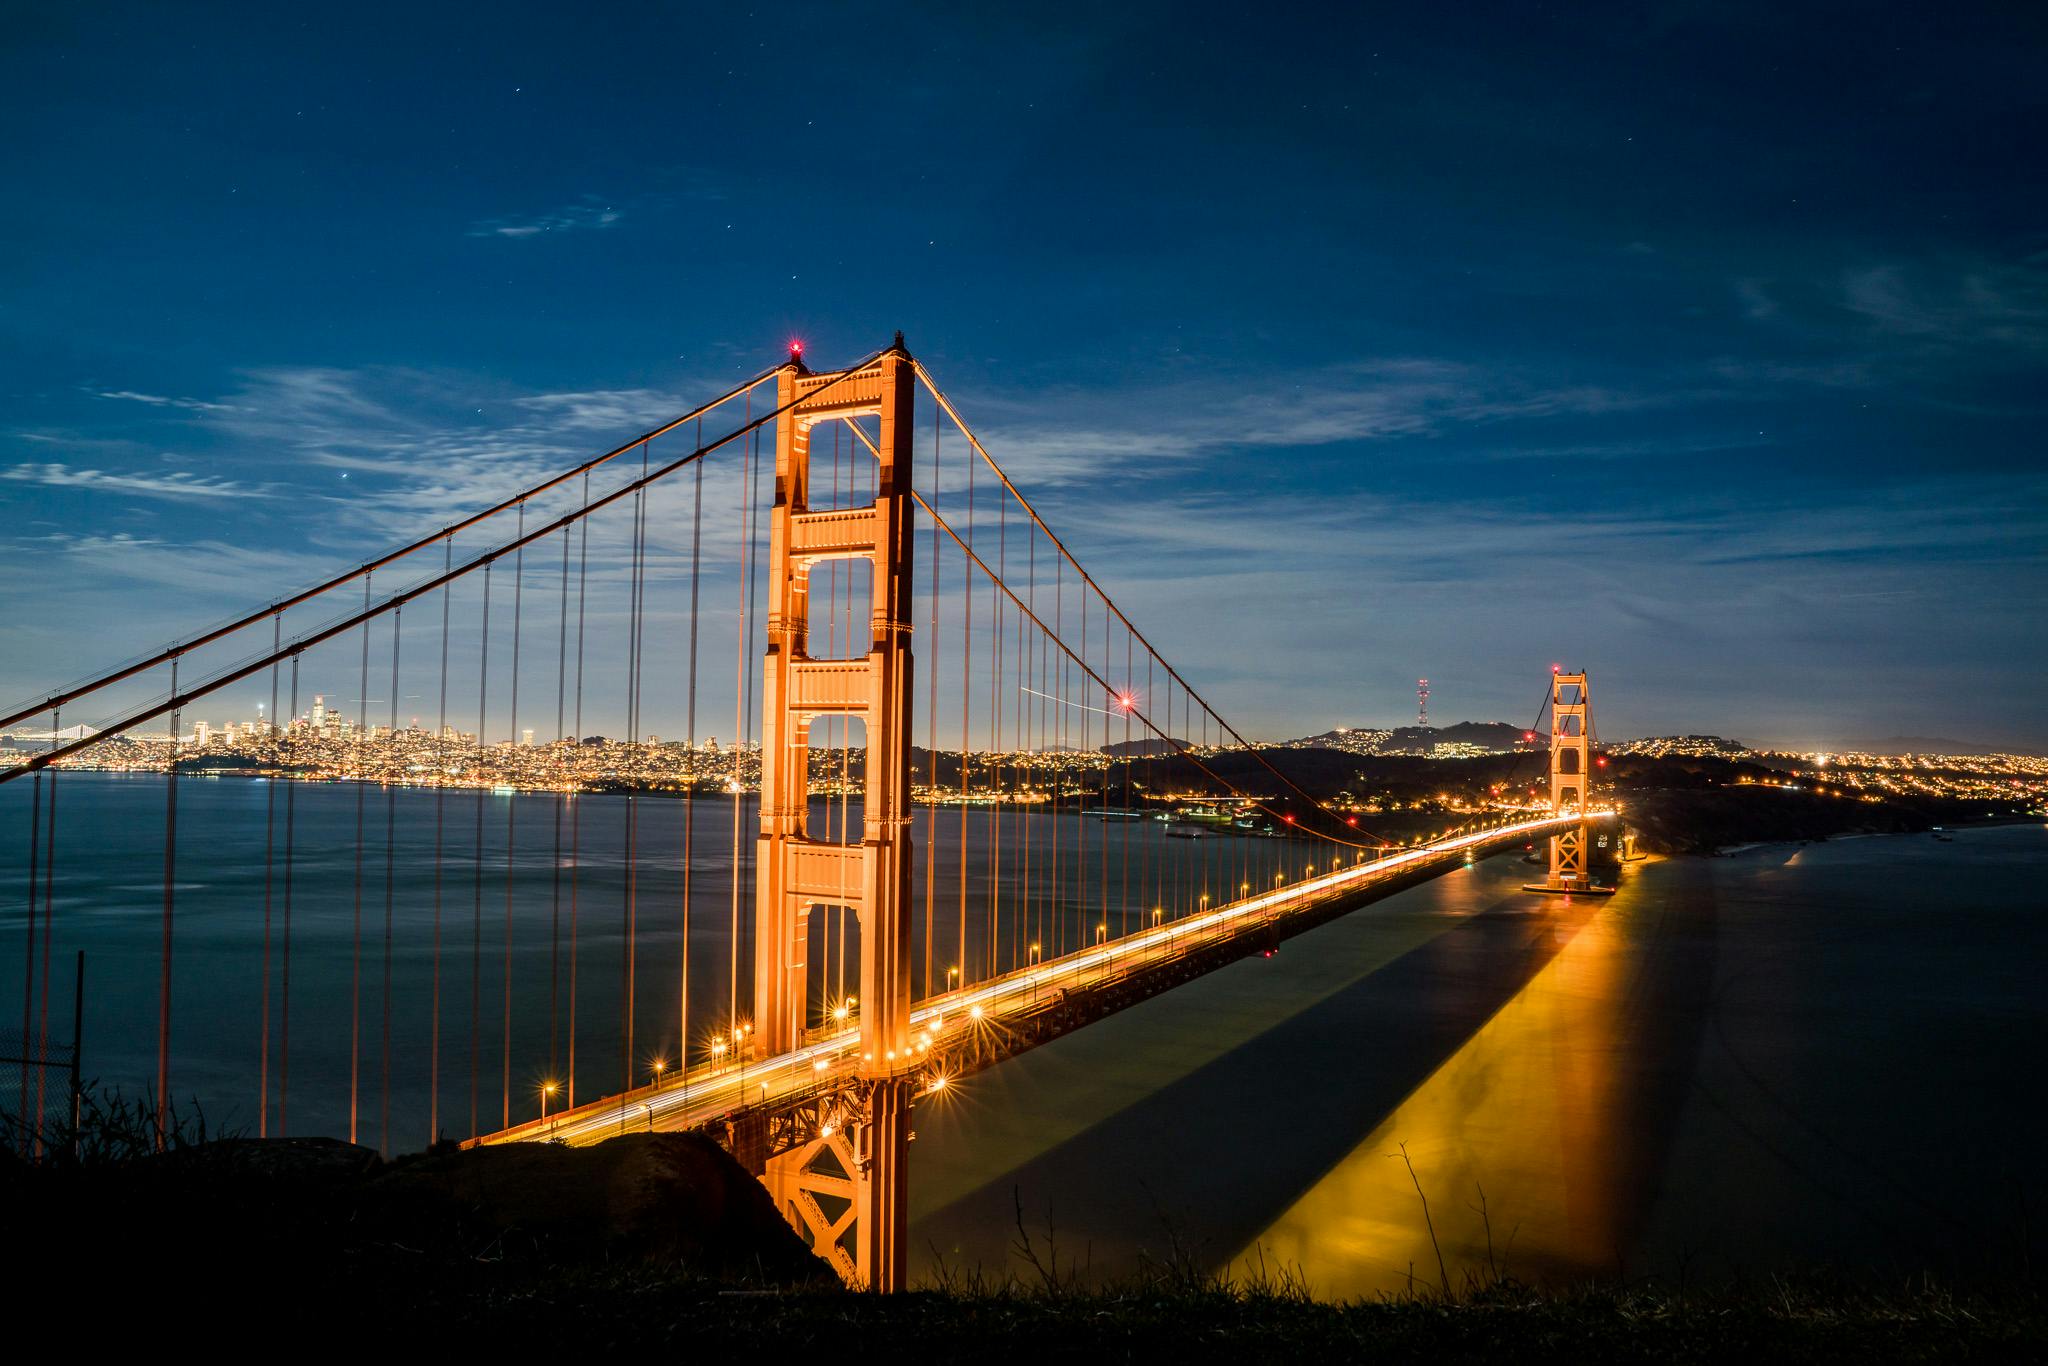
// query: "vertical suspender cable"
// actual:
[[476, 914], [555, 901], [1059, 715], [355, 953], [163, 1009], [440, 827], [390, 893], [737, 787], [49, 929], [966, 718], [1123, 924], [28, 959], [1081, 855], [511, 835], [576, 808], [629, 941], [284, 995], [1019, 925], [690, 781], [1152, 785], [753, 578], [269, 857], [995, 748], [931, 721]]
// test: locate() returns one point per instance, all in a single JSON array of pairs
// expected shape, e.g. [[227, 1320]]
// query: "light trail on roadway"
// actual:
[[712, 1091]]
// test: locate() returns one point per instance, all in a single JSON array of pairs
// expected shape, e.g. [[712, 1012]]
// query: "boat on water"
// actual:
[[1186, 832], [1115, 813]]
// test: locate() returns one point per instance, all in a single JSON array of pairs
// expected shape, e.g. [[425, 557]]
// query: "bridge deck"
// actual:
[[977, 1026]]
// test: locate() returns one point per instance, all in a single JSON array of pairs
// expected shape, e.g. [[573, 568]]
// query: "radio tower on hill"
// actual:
[[1422, 703]]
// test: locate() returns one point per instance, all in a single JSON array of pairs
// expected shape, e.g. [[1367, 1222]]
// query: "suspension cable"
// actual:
[[931, 387], [172, 652], [341, 627], [1102, 682]]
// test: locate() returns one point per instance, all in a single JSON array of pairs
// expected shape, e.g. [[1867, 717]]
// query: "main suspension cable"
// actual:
[[171, 652]]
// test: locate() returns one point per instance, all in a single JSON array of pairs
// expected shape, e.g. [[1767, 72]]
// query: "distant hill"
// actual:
[[1491, 736], [1149, 747]]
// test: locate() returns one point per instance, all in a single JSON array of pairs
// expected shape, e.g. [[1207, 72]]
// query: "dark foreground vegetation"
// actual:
[[661, 1242]]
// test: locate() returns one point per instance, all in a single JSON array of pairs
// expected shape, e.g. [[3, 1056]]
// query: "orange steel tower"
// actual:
[[1571, 781], [846, 1187]]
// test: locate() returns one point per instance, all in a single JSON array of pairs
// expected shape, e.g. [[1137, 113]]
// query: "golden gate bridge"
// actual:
[[921, 851]]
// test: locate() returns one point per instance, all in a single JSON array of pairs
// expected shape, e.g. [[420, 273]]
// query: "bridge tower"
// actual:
[[1571, 782], [844, 1186]]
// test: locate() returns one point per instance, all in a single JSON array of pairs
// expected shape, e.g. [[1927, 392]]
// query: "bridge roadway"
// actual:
[[981, 1024]]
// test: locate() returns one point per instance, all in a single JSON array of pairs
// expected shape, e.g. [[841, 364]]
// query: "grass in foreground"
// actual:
[[660, 1242]]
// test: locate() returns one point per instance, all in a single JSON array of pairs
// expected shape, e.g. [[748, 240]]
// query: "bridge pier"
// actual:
[[846, 1188]]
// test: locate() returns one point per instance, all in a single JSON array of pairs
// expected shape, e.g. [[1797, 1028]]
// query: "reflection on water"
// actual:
[[1523, 1129], [1795, 1056]]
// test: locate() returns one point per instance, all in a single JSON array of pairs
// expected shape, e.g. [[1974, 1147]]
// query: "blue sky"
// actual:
[[1701, 345]]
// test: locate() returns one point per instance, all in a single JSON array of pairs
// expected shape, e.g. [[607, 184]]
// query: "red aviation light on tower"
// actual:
[[796, 350], [1557, 668]]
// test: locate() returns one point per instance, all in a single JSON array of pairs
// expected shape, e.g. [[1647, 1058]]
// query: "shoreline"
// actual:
[[1980, 823]]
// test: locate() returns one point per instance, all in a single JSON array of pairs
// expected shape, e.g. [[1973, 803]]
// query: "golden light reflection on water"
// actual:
[[1528, 1110]]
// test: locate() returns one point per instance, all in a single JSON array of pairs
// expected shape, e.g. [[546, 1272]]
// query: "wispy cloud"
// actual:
[[194, 405], [1924, 328], [387, 454], [180, 484], [588, 212], [1984, 303], [1071, 437]]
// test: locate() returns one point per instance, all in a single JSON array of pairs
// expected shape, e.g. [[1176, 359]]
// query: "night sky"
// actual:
[[1697, 344]]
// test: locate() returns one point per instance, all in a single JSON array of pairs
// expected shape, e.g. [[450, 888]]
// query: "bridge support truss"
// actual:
[[1571, 782], [843, 1188], [841, 1179]]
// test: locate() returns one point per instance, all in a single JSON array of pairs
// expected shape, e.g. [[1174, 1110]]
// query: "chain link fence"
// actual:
[[38, 1090]]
